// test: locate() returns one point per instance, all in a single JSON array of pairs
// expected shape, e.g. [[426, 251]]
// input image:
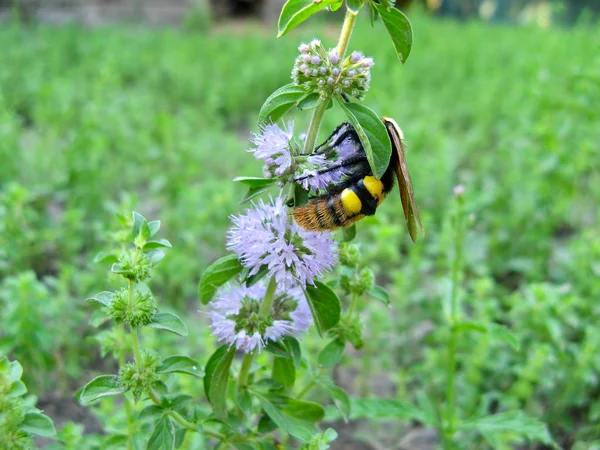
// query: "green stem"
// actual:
[[265, 308], [353, 304], [306, 389], [450, 428], [317, 118]]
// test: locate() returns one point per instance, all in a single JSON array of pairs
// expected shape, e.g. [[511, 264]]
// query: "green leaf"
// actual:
[[380, 408], [399, 29], [216, 275], [349, 233], [332, 353], [103, 298], [154, 227], [255, 192], [379, 293], [253, 279], [156, 244], [373, 136], [503, 334], [244, 401], [295, 12], [102, 386], [354, 5], [169, 322], [155, 256], [17, 389], [151, 412], [15, 371], [470, 326], [255, 182], [280, 102], [180, 364], [325, 306], [115, 442], [145, 230], [216, 378], [284, 371], [311, 101], [180, 436], [37, 424], [515, 422], [138, 219], [295, 417], [293, 347], [340, 399], [110, 257], [163, 436]]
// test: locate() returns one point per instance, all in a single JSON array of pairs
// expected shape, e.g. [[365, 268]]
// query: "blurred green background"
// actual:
[[106, 119]]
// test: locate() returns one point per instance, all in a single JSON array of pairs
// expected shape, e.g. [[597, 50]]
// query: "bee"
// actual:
[[359, 193]]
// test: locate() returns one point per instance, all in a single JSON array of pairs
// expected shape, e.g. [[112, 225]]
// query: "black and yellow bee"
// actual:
[[359, 193]]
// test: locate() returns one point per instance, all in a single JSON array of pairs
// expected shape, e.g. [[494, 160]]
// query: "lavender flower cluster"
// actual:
[[317, 69]]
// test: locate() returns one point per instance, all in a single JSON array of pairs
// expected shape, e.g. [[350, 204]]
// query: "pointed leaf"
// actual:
[[218, 384], [37, 424], [255, 182], [280, 102], [169, 322], [156, 244], [102, 386], [332, 353], [325, 306], [103, 298], [284, 371], [180, 364], [163, 437], [217, 274], [399, 29], [295, 12], [373, 136]]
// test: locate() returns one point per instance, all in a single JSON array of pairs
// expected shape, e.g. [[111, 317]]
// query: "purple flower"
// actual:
[[235, 319], [356, 57], [273, 146], [266, 236], [333, 57]]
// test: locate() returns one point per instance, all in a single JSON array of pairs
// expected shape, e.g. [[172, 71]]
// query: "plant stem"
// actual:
[[317, 118], [450, 427], [353, 304], [311, 384], [265, 307]]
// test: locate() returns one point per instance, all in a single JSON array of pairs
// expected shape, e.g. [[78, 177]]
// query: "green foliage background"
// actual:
[[94, 121]]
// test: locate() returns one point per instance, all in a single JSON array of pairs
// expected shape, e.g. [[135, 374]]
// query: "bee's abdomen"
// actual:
[[322, 213]]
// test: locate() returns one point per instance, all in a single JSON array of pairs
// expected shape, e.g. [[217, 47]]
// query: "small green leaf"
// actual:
[[255, 182], [253, 279], [311, 101], [340, 399], [354, 5], [37, 424], [180, 436], [336, 6], [284, 372], [151, 412], [325, 306], [103, 298], [145, 230], [163, 436], [255, 192], [210, 367], [349, 233], [332, 353], [17, 389], [155, 256], [216, 275], [503, 334], [156, 244], [280, 102], [218, 384], [115, 442], [373, 136], [295, 12], [102, 386], [513, 422], [379, 293], [293, 347], [138, 219], [399, 29], [244, 401], [15, 371], [180, 364], [169, 322], [107, 257], [470, 326], [154, 227], [380, 408]]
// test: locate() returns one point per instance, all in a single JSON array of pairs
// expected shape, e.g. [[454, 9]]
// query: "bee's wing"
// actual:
[[407, 195]]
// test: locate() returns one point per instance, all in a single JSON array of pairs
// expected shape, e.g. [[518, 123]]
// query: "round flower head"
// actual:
[[266, 236], [273, 146], [235, 319]]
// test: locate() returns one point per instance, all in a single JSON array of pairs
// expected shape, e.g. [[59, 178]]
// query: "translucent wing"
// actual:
[[407, 195]]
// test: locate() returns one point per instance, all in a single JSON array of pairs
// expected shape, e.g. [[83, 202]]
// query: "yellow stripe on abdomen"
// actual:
[[351, 202], [375, 187]]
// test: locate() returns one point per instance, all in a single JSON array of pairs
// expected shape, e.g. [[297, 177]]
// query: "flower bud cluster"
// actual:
[[349, 330], [137, 311], [317, 69], [358, 282], [138, 381], [133, 265]]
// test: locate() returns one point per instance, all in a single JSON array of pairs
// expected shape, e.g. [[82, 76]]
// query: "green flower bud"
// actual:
[[136, 312], [366, 281], [133, 265], [350, 254], [349, 329], [136, 381]]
